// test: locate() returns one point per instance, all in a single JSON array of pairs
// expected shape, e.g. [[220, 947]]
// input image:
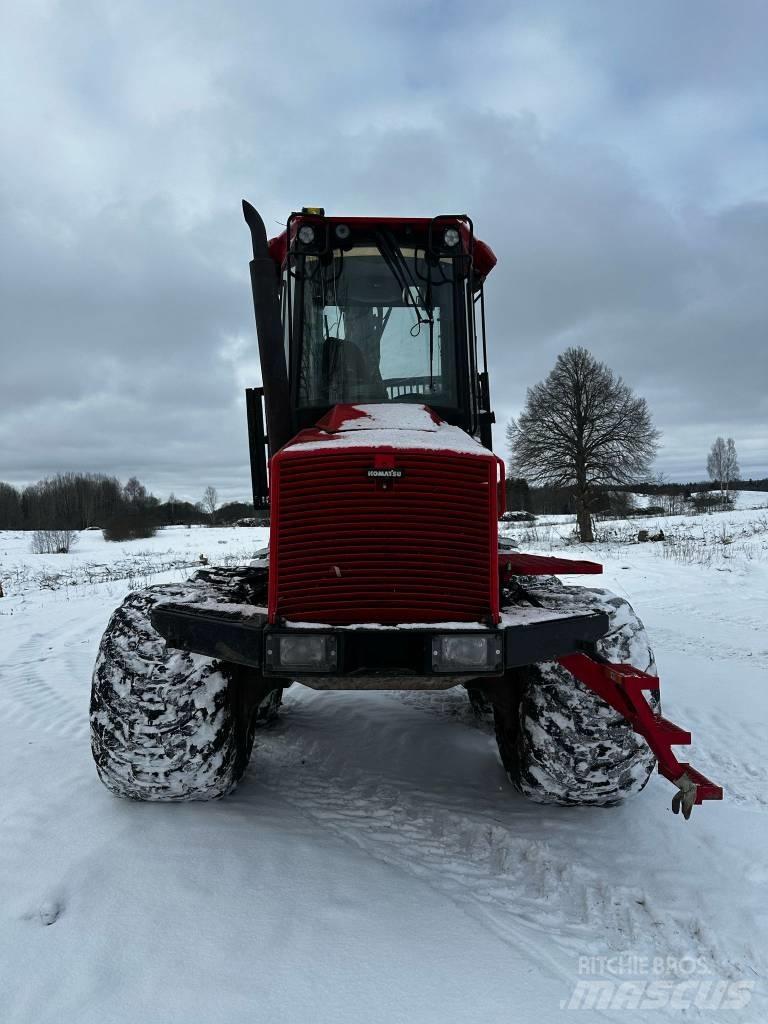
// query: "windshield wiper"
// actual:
[[409, 287], [406, 280]]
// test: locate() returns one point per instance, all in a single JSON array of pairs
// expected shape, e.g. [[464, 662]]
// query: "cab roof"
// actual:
[[483, 257]]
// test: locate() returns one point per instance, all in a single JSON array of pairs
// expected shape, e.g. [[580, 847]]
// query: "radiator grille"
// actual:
[[346, 548]]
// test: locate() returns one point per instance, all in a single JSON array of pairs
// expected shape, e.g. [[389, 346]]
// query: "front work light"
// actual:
[[451, 238], [313, 652], [343, 232], [467, 652], [306, 234]]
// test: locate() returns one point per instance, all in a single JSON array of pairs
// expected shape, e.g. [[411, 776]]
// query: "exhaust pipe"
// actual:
[[266, 305]]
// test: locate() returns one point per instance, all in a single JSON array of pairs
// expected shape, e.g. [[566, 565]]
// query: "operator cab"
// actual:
[[379, 310]]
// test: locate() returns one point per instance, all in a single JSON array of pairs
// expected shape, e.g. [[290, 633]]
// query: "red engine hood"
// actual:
[[388, 426]]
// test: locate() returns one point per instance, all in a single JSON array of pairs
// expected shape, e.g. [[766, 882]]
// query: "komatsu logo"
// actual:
[[384, 474]]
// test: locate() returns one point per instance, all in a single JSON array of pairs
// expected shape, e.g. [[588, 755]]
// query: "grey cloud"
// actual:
[[619, 222]]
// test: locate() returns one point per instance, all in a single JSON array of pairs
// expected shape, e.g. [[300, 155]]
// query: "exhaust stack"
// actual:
[[266, 305]]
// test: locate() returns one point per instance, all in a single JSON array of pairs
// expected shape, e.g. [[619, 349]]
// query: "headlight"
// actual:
[[306, 234], [451, 237], [313, 652], [467, 652], [342, 232]]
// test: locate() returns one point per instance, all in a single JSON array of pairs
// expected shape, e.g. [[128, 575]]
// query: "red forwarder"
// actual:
[[384, 567]]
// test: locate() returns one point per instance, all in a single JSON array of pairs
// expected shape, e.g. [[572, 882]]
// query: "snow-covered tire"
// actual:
[[559, 742], [167, 725]]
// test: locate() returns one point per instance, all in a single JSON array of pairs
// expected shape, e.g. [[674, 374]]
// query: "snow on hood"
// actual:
[[392, 416], [391, 425]]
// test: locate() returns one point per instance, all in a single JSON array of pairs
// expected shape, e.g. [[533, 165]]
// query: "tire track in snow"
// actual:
[[32, 877], [734, 754], [670, 640], [29, 696], [533, 892], [731, 754], [451, 705], [391, 832]]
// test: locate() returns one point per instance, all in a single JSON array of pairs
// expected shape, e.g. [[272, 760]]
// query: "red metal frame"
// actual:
[[515, 563], [623, 686]]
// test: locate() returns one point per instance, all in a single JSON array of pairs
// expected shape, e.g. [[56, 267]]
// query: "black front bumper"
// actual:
[[366, 651]]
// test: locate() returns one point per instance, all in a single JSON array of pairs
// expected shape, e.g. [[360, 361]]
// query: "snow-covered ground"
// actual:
[[739, 499], [750, 499], [374, 865]]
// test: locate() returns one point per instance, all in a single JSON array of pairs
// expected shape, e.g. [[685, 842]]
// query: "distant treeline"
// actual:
[[559, 500], [69, 501], [548, 501], [695, 487], [77, 501]]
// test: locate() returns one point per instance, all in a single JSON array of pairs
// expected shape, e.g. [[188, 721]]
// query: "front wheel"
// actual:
[[167, 725], [559, 742]]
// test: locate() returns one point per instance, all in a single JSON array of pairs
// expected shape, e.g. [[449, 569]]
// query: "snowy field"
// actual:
[[374, 865]]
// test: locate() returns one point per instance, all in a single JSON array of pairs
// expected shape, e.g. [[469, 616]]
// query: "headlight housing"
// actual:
[[307, 234], [467, 652], [296, 652]]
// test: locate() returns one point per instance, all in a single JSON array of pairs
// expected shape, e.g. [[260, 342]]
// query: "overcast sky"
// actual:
[[614, 154]]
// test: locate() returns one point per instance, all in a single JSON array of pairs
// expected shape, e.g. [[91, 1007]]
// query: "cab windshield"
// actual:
[[376, 325]]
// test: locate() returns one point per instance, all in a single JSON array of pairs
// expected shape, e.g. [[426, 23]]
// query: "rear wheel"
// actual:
[[479, 701], [166, 724], [269, 708], [559, 742]]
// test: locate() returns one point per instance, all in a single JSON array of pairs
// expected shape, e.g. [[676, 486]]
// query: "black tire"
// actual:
[[559, 742], [269, 708], [167, 725], [480, 702]]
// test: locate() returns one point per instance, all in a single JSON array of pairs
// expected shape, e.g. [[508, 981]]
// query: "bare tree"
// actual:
[[135, 492], [723, 464], [581, 427], [52, 542], [210, 501]]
